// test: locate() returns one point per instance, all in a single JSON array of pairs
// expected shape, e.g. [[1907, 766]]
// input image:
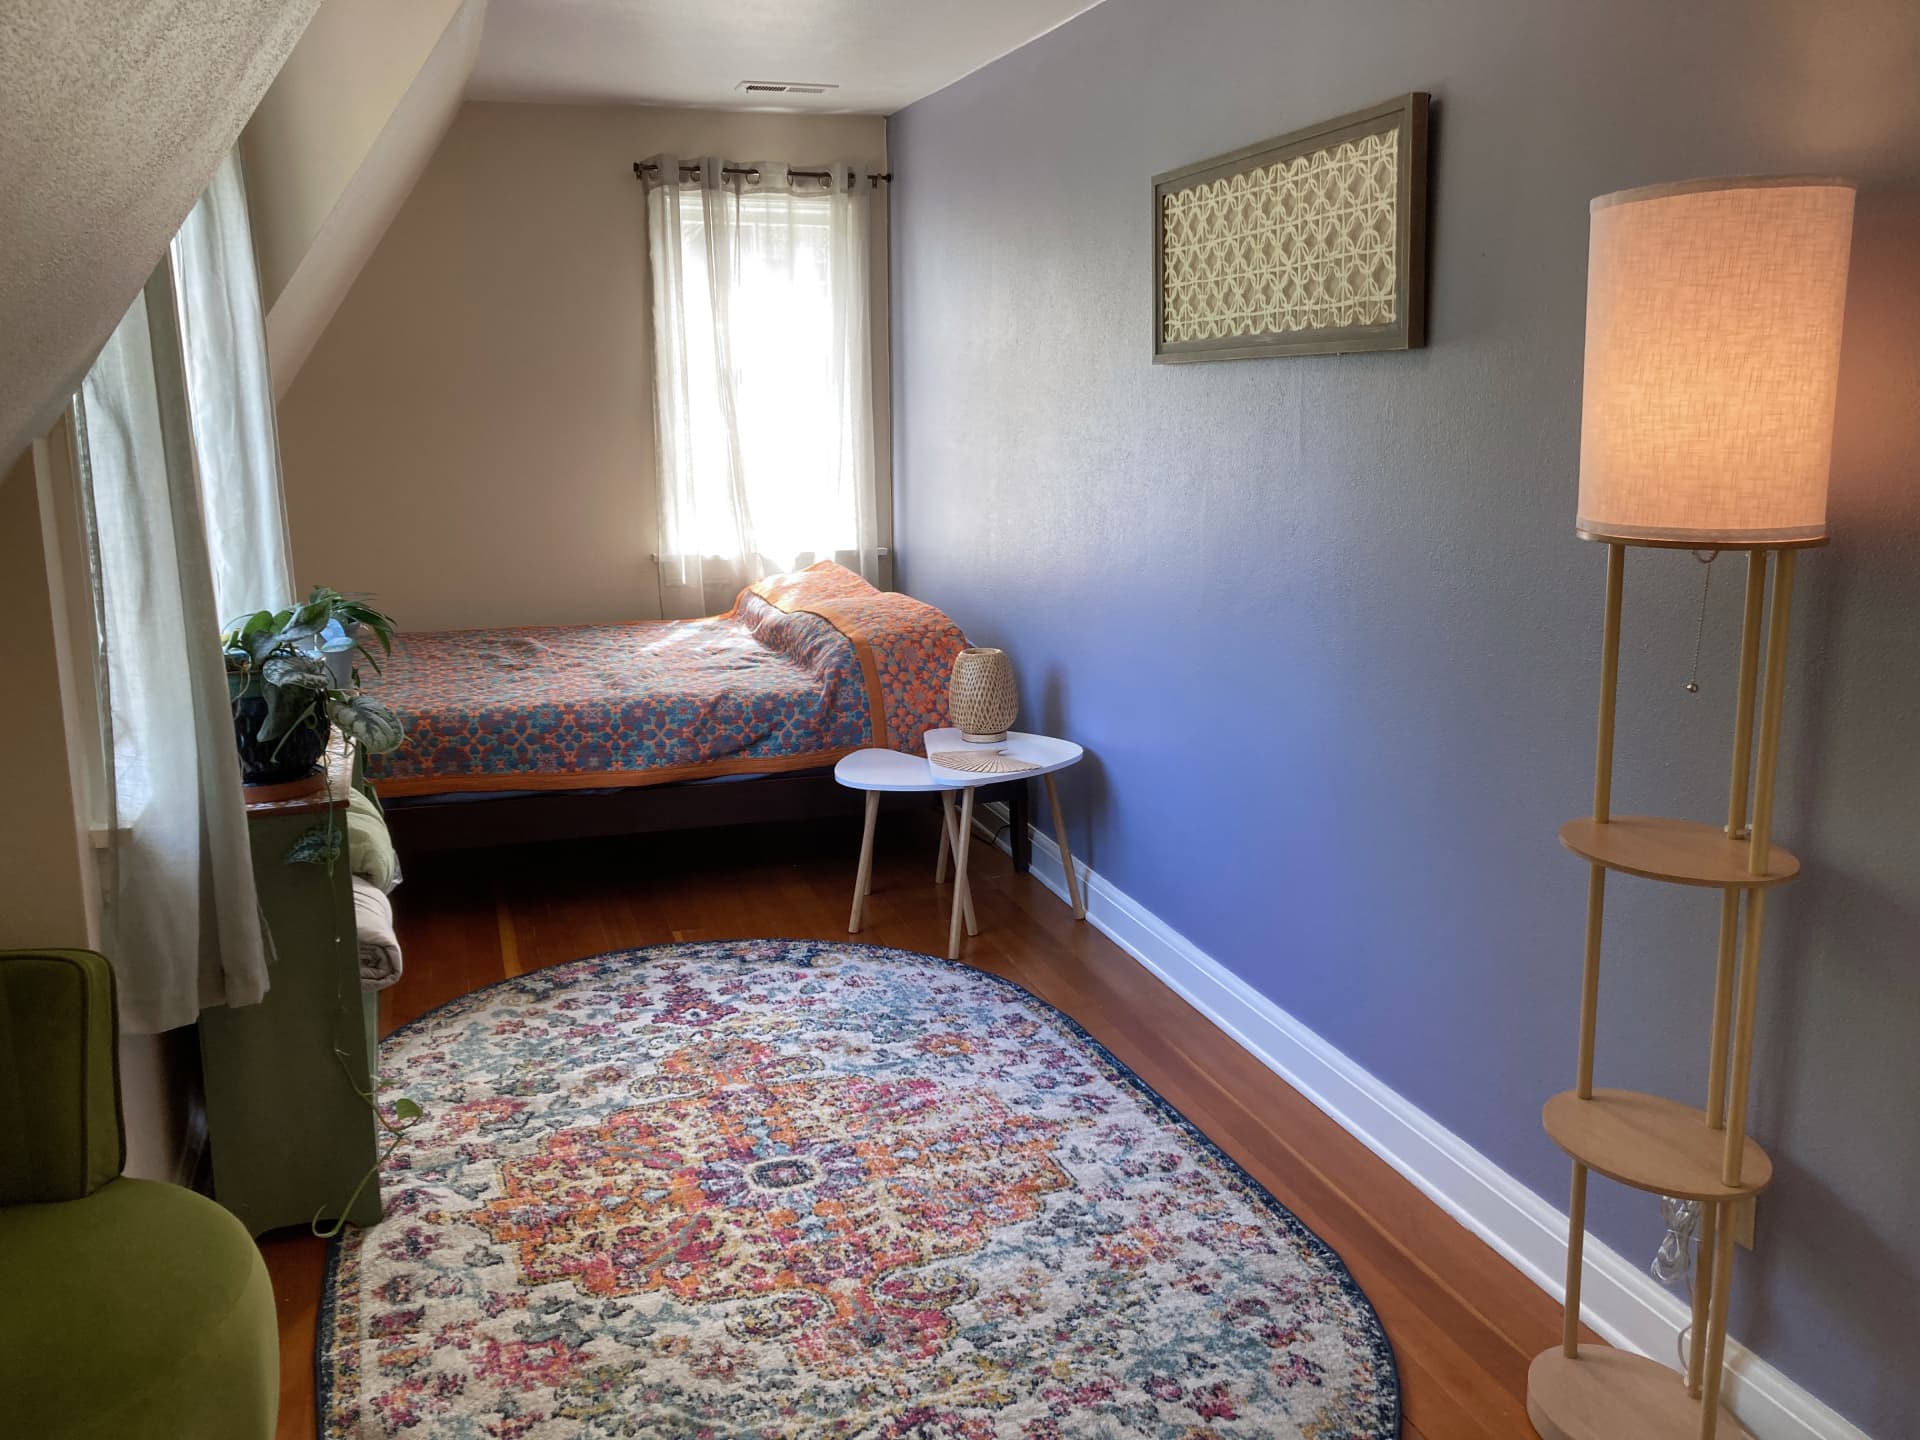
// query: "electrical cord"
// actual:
[[1673, 1261]]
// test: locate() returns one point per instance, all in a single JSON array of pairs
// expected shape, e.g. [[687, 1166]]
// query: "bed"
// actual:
[[547, 731]]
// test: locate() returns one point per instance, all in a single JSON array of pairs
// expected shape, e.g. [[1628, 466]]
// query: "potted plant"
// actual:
[[294, 674]]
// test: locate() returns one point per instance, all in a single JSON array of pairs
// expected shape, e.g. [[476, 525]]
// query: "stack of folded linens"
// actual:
[[376, 870]]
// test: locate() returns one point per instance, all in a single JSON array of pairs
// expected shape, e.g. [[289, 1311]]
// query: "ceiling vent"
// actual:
[[783, 87]]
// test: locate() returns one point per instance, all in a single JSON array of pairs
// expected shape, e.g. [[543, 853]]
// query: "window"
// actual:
[[763, 380]]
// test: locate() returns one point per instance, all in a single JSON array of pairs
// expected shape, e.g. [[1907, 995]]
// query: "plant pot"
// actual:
[[298, 752]]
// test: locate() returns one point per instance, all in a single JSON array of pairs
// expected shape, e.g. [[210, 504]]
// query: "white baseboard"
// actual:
[[1620, 1300]]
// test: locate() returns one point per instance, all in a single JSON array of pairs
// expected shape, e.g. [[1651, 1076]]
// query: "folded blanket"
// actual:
[[379, 946], [369, 846]]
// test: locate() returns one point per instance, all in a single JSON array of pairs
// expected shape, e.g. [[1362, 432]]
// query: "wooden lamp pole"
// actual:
[[1640, 1140]]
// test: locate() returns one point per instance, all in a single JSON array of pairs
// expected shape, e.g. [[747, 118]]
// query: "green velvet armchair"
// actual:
[[128, 1308]]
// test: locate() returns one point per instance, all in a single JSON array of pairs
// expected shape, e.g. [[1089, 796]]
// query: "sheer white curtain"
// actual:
[[182, 493], [763, 376], [223, 337]]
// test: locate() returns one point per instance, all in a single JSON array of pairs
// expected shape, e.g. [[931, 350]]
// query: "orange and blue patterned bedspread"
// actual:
[[805, 668]]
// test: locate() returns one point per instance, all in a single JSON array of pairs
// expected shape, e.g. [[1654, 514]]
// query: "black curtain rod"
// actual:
[[644, 168]]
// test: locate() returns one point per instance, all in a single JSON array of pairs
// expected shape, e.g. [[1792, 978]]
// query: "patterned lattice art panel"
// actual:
[[1305, 244]]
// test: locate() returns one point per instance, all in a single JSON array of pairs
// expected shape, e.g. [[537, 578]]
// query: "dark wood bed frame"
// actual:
[[575, 815]]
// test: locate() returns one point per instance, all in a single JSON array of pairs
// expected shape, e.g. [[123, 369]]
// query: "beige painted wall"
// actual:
[[46, 897], [337, 143], [471, 439], [322, 114]]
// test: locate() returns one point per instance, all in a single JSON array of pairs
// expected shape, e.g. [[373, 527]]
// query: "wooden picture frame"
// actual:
[[1231, 292]]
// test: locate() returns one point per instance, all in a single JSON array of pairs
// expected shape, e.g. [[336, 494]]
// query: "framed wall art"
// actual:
[[1312, 243]]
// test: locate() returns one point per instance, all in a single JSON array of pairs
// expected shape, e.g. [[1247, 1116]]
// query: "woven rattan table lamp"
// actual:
[[1713, 350], [982, 698]]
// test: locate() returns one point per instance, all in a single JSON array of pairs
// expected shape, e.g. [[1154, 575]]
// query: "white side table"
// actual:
[[881, 771]]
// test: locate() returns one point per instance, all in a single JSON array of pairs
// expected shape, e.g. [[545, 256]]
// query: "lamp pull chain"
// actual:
[[1706, 558]]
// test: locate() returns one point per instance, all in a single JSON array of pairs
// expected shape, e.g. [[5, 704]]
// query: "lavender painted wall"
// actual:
[[1325, 629]]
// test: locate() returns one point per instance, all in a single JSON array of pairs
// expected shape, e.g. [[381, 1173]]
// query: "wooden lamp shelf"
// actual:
[[1607, 1394], [1653, 1144], [1679, 852]]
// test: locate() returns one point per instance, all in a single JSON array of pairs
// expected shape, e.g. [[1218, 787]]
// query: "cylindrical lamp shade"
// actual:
[[1713, 354]]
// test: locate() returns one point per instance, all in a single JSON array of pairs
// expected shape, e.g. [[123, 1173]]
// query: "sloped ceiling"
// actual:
[[115, 116], [877, 54], [337, 145]]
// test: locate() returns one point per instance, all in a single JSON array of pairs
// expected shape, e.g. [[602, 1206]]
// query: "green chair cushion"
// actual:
[[58, 1076], [141, 1311], [13, 1111]]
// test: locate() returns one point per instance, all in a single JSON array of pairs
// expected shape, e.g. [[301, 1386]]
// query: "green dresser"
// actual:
[[288, 1122]]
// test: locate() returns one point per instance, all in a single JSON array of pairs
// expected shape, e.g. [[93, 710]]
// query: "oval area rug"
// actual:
[[792, 1188]]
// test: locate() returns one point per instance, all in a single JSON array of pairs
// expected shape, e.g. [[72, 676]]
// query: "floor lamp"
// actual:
[[1713, 345]]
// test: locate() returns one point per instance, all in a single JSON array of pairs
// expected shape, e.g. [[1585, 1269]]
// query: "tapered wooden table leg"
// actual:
[[950, 841], [946, 836], [1066, 852], [960, 849], [865, 878]]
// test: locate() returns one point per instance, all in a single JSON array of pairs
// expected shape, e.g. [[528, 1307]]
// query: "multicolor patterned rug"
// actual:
[[789, 1188]]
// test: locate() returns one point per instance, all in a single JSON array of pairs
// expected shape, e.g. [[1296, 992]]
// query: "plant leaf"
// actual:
[[372, 725], [288, 707], [374, 620], [405, 1109], [305, 623], [241, 630], [317, 845], [296, 671]]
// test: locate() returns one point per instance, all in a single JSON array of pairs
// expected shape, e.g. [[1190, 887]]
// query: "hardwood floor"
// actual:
[[1464, 1323]]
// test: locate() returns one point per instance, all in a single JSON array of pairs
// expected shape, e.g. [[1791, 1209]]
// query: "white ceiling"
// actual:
[[883, 54]]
